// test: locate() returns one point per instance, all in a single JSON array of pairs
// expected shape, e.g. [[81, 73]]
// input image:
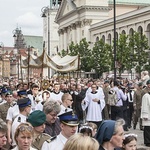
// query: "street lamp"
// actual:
[[114, 40], [16, 33], [46, 14], [18, 43]]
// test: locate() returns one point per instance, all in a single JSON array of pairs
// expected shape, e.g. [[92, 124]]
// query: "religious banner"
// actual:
[[57, 63]]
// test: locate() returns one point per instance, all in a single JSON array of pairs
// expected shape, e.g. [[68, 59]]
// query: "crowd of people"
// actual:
[[74, 114]]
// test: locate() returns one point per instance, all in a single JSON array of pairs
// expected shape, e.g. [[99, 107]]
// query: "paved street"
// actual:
[[140, 139]]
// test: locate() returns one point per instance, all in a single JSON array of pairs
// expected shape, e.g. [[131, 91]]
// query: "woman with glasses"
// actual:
[[24, 110], [24, 137], [3, 130], [51, 109]]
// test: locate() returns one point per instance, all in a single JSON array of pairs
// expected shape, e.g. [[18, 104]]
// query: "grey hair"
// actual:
[[119, 122], [51, 105]]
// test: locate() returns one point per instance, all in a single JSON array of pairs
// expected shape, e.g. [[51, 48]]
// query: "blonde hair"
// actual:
[[81, 142], [65, 96], [24, 128]]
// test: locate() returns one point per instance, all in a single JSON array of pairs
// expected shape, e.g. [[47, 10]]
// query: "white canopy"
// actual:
[[65, 64]]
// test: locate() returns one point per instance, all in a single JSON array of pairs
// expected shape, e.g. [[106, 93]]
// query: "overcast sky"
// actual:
[[24, 14]]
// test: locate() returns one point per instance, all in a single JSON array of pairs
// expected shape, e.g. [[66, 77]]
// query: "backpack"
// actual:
[[112, 97]]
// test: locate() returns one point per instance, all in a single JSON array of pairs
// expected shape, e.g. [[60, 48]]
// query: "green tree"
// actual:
[[123, 54], [102, 58], [138, 43], [82, 49], [62, 53]]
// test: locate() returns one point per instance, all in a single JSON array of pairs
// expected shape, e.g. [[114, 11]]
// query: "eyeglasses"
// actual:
[[53, 115], [24, 128], [70, 100]]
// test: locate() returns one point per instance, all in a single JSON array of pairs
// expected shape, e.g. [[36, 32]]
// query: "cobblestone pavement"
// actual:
[[140, 140]]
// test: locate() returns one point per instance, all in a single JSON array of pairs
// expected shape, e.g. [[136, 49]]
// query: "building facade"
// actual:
[[94, 20], [137, 20], [50, 32]]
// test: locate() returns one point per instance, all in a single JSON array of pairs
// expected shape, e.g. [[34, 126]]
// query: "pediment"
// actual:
[[65, 8]]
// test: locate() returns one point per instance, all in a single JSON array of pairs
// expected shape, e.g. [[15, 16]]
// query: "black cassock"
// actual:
[[146, 134]]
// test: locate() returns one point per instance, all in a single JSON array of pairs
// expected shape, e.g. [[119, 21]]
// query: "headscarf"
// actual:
[[105, 131]]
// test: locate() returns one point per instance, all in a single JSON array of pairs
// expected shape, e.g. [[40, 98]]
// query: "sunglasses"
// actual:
[[24, 128]]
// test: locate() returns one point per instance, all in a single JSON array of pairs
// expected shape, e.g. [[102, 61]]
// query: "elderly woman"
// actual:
[[81, 142], [3, 130], [51, 109], [110, 134], [24, 136]]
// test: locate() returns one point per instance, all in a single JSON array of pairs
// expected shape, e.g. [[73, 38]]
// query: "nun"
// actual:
[[110, 134]]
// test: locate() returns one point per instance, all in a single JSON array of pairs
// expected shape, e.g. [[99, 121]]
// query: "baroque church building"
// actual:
[[93, 20]]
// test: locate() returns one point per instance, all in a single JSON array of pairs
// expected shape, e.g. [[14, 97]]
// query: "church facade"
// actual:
[[93, 20]]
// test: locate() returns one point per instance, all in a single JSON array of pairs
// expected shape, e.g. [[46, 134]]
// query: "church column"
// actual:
[[78, 31], [60, 32], [73, 26], [86, 25], [65, 38]]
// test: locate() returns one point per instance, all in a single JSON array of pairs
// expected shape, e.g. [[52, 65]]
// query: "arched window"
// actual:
[[103, 38], [109, 39], [123, 32], [131, 32], [148, 33], [97, 39], [140, 30]]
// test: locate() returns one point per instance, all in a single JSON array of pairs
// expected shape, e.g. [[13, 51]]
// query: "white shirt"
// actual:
[[12, 112], [132, 95], [121, 96], [56, 144], [64, 109], [17, 121], [33, 102], [94, 112], [145, 110], [56, 96], [39, 106]]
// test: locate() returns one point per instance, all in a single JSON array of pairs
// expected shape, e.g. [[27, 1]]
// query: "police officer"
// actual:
[[37, 120], [69, 124], [12, 112]]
